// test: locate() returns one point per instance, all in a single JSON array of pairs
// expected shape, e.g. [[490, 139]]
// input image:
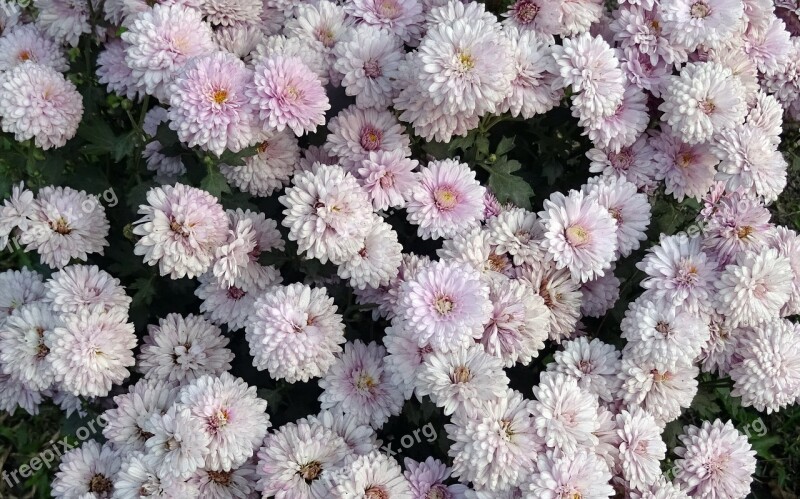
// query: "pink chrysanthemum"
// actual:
[[37, 102], [355, 133], [640, 449], [715, 461], [161, 41], [26, 43], [88, 472], [629, 208], [65, 224], [619, 128], [181, 228], [561, 295], [375, 475], [114, 73], [738, 224], [23, 351], [564, 415], [65, 20], [634, 163], [579, 234], [404, 356], [386, 176], [766, 372], [294, 332], [358, 384], [369, 61], [131, 411], [231, 414], [540, 17], [288, 94], [402, 18], [640, 29], [181, 349], [208, 107], [91, 352], [640, 71], [271, 168], [446, 200], [230, 305], [327, 213], [446, 303], [754, 289], [787, 242], [680, 274], [239, 483], [661, 387], [532, 89], [230, 12], [427, 478], [593, 364], [688, 170], [77, 287], [582, 474], [689, 23], [377, 262], [579, 15], [704, 99]]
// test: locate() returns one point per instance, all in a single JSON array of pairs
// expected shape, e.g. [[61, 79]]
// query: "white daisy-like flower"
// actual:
[[127, 420], [85, 286], [375, 475], [565, 416], [626, 205], [87, 472], [640, 449], [23, 351], [177, 442], [377, 262], [594, 365], [519, 233]]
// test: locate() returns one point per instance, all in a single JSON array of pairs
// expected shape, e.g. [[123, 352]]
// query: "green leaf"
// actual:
[[482, 146], [505, 146], [100, 137], [508, 187], [166, 136], [214, 182], [762, 445], [238, 158], [124, 146], [145, 291]]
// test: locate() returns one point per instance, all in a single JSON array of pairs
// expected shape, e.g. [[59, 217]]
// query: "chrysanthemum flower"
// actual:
[[228, 13], [582, 474], [446, 303], [706, 98], [766, 373], [634, 163], [181, 228], [517, 232], [354, 133], [375, 475], [127, 420], [266, 238], [322, 25], [738, 223], [231, 414], [238, 483], [591, 68], [404, 356], [629, 208], [234, 257], [427, 478], [579, 15], [659, 386], [561, 295], [294, 332], [600, 294], [161, 41], [377, 262], [717, 355], [230, 305], [787, 242], [292, 461], [177, 442], [23, 352], [715, 461], [360, 438], [532, 88], [288, 94], [459, 380], [402, 18], [37, 102], [564, 415], [768, 46], [619, 128], [680, 274], [639, 28], [474, 248], [85, 286], [579, 234], [540, 17], [640, 71], [113, 71], [386, 176], [358, 384], [271, 168], [689, 23], [18, 288], [641, 448], [327, 213], [687, 169], [754, 289], [16, 212], [14, 394], [465, 67], [446, 200], [88, 472], [369, 61], [26, 43], [594, 365], [519, 323], [208, 106], [239, 39], [308, 51], [65, 20], [497, 450], [181, 349], [750, 161], [91, 352], [139, 473]]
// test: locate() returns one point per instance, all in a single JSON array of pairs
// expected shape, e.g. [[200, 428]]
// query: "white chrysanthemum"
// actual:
[[322, 25], [689, 23], [304, 49], [594, 365], [177, 442], [459, 380], [87, 472], [294, 332], [583, 474], [754, 289], [640, 449], [377, 262], [140, 477], [91, 351], [227, 305], [402, 18], [293, 460], [65, 20], [18, 288], [532, 88], [231, 12], [767, 371], [374, 475], [126, 421], [23, 351], [661, 388], [561, 295], [360, 438], [26, 43], [271, 168], [703, 100], [327, 213], [475, 248], [565, 416], [239, 483], [181, 349], [517, 232], [231, 413], [626, 205], [404, 356], [85, 286]]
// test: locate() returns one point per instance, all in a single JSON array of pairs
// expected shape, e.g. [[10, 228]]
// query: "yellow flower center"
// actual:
[[220, 96], [577, 236]]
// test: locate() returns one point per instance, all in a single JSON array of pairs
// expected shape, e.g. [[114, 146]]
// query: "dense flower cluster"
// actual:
[[684, 98]]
